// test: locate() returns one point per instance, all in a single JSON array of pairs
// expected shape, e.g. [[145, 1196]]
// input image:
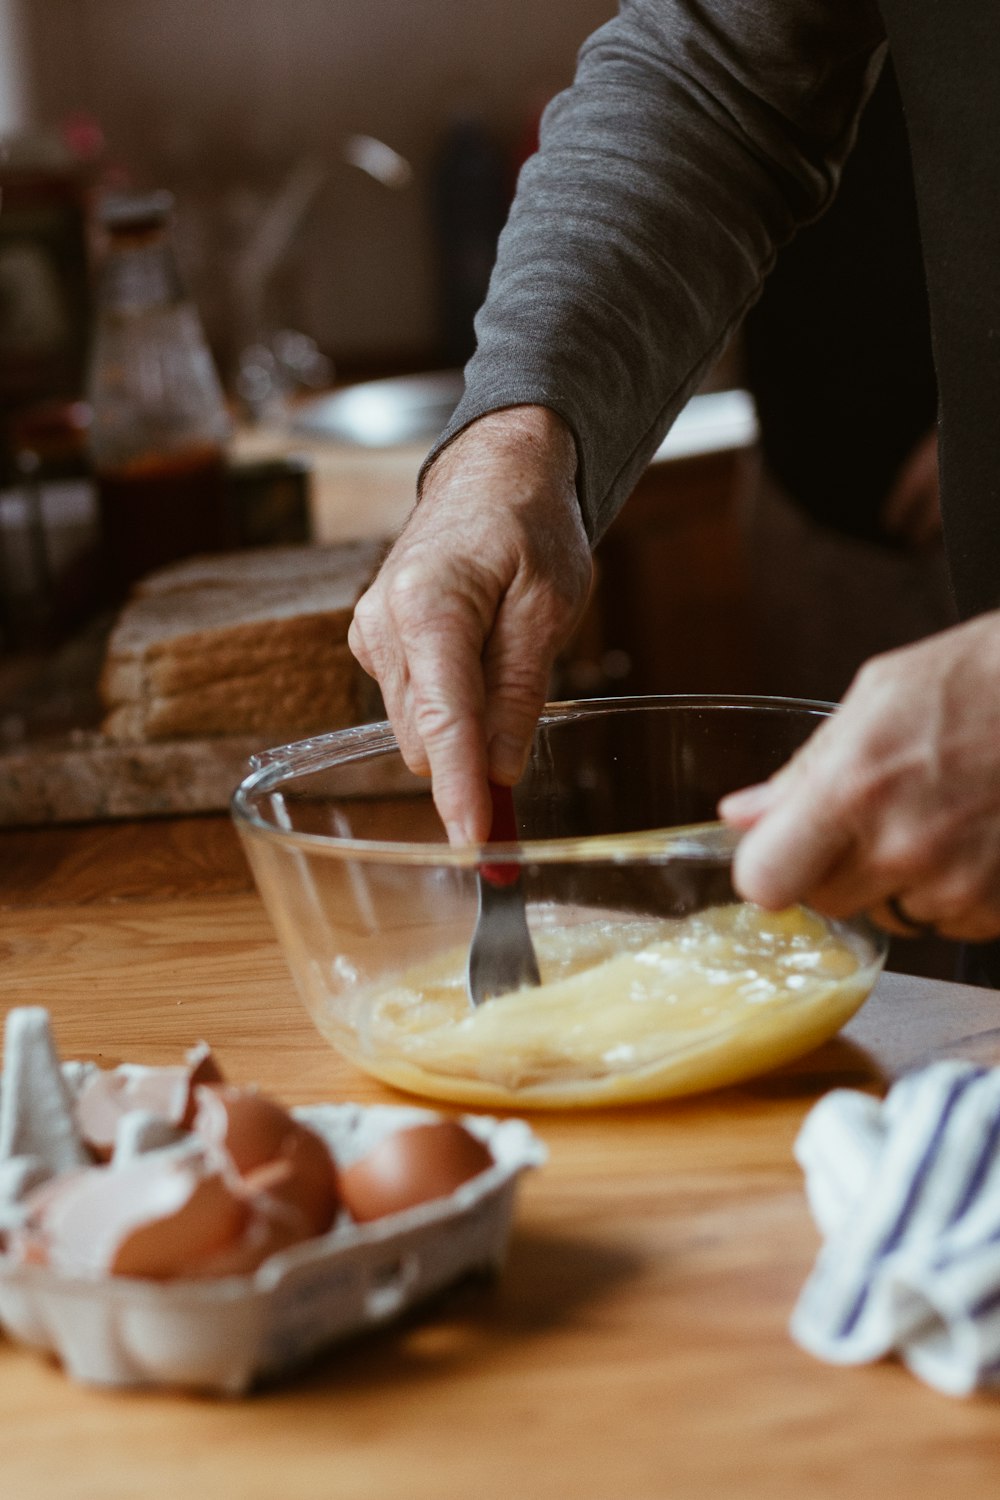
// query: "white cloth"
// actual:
[[907, 1196]]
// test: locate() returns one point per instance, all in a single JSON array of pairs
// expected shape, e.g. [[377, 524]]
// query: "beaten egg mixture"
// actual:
[[630, 1008]]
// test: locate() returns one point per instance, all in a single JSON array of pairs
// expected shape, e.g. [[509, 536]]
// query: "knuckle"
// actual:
[[407, 579], [366, 624], [414, 755], [518, 702], [422, 595], [877, 676], [902, 854], [875, 792], [964, 892], [436, 720]]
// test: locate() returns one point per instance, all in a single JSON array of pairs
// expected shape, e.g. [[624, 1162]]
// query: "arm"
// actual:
[[694, 140]]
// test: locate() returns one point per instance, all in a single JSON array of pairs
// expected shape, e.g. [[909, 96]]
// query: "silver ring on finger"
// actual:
[[912, 925]]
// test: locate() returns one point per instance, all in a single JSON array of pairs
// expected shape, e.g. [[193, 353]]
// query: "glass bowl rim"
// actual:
[[713, 842]]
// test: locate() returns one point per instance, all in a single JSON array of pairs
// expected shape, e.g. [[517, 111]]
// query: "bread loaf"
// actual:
[[240, 642]]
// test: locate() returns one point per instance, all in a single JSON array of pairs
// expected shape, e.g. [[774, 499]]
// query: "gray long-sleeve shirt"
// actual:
[[694, 140], [698, 135]]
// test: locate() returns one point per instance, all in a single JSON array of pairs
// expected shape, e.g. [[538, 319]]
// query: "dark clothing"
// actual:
[[838, 348], [948, 62]]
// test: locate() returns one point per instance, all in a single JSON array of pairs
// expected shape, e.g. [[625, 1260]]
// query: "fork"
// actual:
[[501, 953]]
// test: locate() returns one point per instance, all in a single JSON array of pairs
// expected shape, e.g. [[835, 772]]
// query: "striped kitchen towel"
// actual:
[[906, 1193]]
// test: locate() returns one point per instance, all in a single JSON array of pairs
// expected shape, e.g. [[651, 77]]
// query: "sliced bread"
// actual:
[[246, 641]]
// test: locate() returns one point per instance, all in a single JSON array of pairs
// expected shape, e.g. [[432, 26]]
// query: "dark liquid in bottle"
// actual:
[[158, 509]]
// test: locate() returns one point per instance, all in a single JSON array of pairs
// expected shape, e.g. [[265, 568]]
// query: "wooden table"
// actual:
[[636, 1346]]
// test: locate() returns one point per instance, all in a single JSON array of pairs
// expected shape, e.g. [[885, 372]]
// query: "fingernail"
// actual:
[[507, 757], [457, 833]]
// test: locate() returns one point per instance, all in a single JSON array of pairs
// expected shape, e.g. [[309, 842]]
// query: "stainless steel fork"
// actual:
[[501, 954]]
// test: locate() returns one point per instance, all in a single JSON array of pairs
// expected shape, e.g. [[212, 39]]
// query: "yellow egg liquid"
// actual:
[[629, 1009]]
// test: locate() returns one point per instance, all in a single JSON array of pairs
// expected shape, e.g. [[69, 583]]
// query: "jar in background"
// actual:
[[159, 420]]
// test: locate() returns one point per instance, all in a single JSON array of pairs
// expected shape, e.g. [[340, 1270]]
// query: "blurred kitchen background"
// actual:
[[339, 175], [228, 102]]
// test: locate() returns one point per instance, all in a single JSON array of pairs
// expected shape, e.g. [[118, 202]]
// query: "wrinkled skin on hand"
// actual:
[[471, 607], [896, 795]]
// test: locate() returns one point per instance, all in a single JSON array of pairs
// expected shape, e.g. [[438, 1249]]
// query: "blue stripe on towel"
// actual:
[[987, 1303], [950, 1258], [913, 1192], [978, 1174]]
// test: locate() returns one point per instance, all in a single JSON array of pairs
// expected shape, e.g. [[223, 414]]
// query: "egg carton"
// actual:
[[228, 1334]]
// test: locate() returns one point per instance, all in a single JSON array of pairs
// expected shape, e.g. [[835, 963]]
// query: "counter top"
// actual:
[[636, 1345]]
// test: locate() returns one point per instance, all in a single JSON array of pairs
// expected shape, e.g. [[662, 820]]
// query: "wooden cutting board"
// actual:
[[83, 776], [56, 766]]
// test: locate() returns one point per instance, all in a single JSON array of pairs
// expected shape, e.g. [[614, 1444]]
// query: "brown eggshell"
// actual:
[[412, 1166], [248, 1126], [153, 1218], [272, 1226], [209, 1219], [256, 1133], [201, 1068]]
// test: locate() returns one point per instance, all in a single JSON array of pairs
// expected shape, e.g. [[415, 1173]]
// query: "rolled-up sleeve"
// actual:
[[694, 140]]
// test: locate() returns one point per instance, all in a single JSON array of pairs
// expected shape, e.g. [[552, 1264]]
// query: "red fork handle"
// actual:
[[503, 830]]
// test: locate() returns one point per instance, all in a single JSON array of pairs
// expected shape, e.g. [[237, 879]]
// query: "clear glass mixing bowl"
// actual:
[[657, 980]]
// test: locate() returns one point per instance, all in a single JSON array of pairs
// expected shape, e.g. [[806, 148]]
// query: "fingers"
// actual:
[[962, 903], [463, 623], [532, 625], [895, 799], [793, 845], [516, 689], [421, 635]]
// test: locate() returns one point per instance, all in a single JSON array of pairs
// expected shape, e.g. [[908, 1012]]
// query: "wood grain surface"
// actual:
[[635, 1346]]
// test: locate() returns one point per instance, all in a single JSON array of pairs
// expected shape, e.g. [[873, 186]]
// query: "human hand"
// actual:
[[912, 509], [895, 797], [471, 607]]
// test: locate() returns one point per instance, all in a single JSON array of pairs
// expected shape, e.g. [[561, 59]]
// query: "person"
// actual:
[[841, 522], [694, 141]]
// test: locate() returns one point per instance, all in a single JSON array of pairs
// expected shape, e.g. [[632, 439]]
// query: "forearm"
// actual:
[[692, 143]]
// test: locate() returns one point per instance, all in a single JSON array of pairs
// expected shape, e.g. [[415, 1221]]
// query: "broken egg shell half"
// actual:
[[271, 1151], [410, 1167], [157, 1217], [247, 1181], [107, 1095]]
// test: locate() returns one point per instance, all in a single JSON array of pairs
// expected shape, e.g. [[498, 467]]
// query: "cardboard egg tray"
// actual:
[[226, 1334]]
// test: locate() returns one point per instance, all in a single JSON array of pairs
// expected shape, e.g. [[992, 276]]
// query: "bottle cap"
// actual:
[[135, 212]]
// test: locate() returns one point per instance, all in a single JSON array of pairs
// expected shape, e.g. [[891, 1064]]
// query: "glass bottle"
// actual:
[[159, 420]]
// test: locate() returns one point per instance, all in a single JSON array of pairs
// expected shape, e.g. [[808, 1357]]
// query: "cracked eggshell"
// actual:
[[273, 1153], [158, 1217], [106, 1097], [223, 1334]]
